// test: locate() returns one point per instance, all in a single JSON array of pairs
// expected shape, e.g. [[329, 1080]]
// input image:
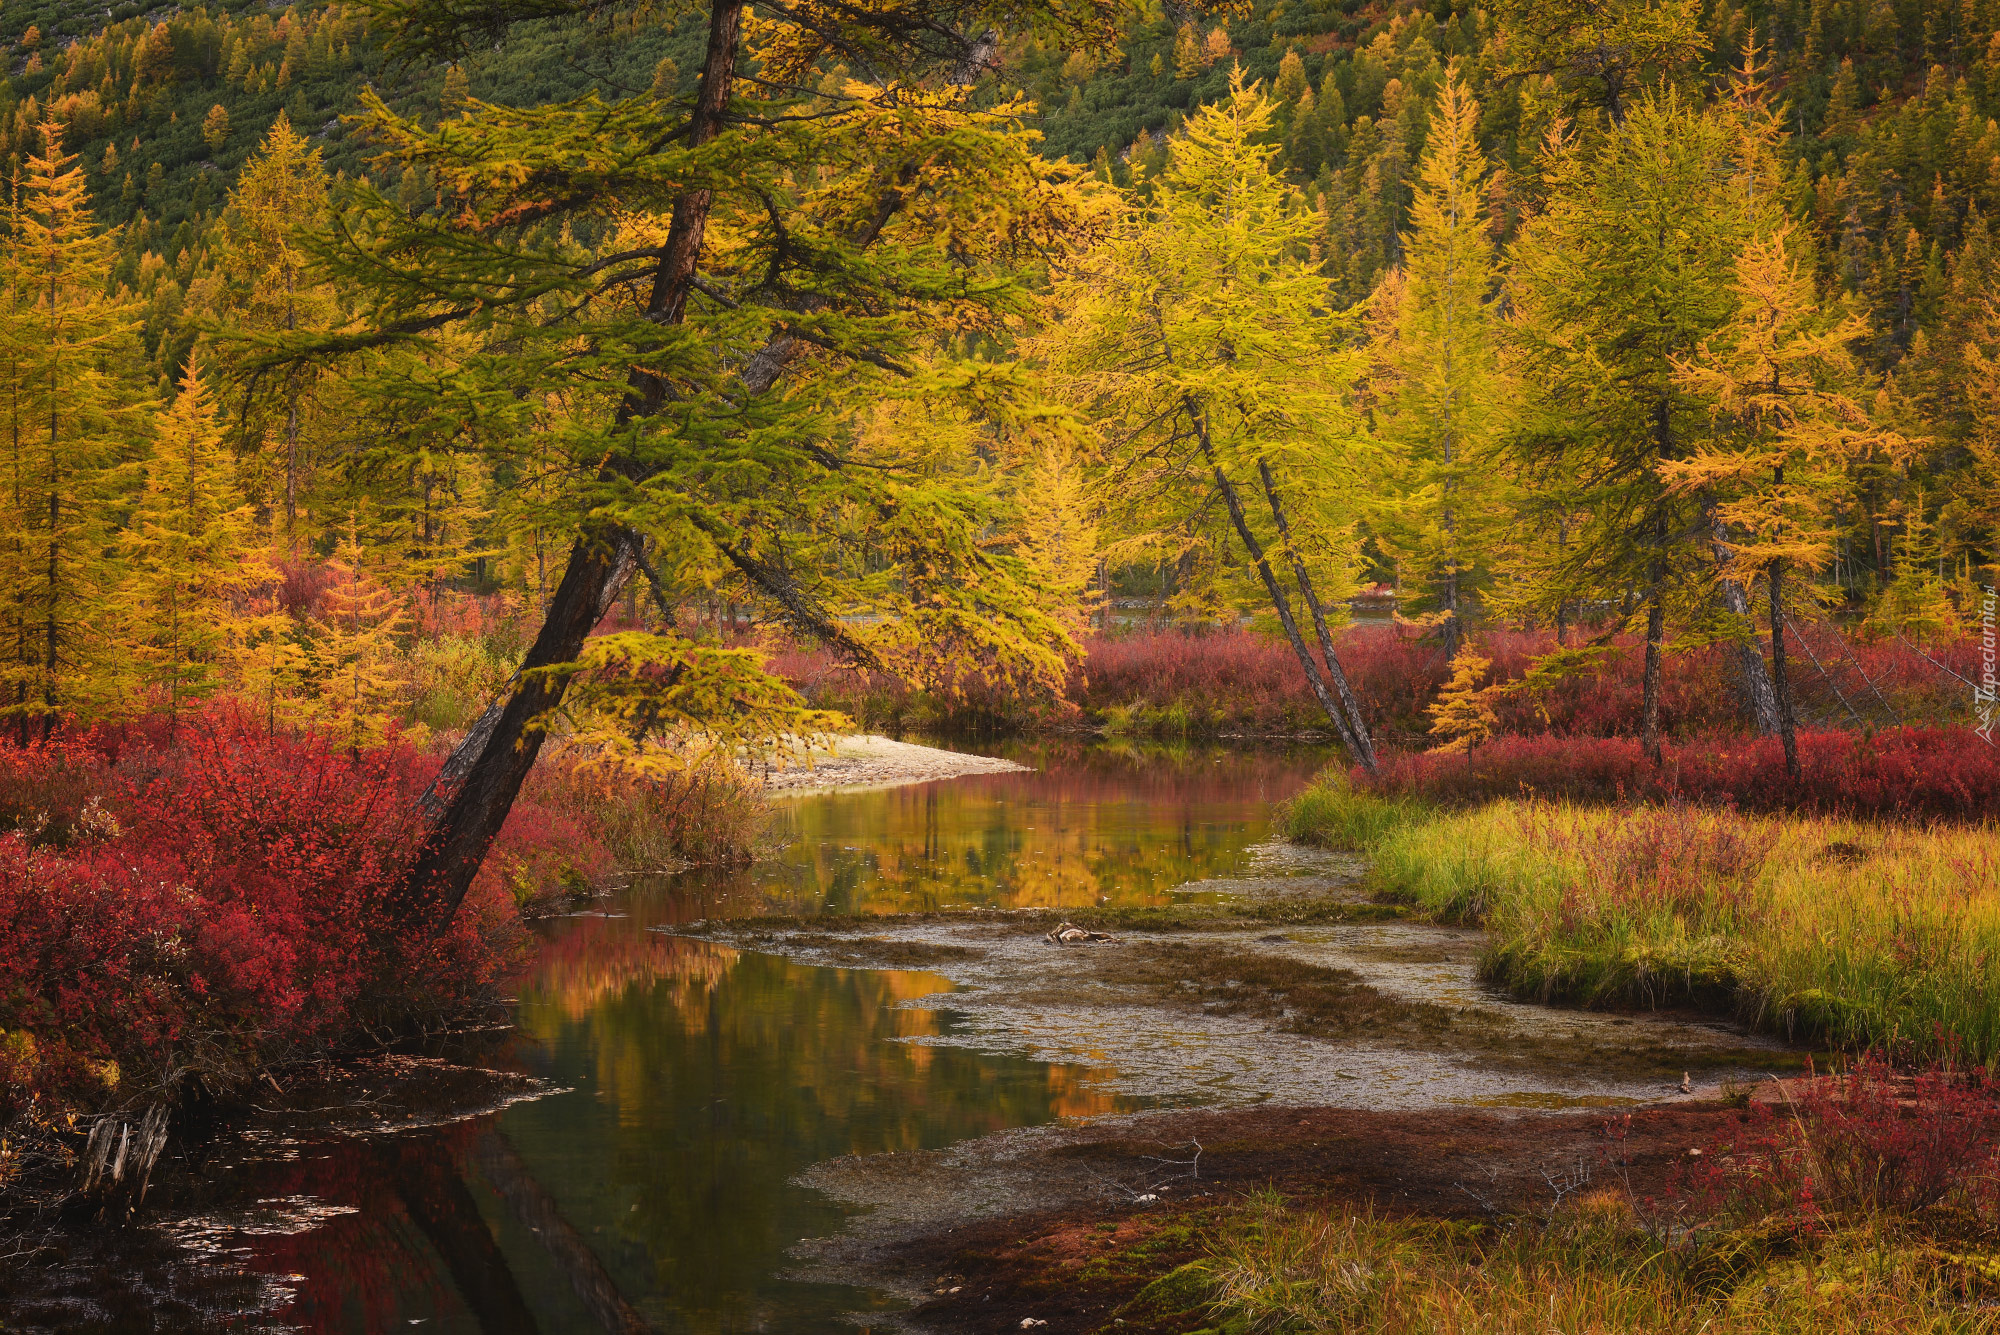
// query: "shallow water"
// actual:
[[661, 1188], [701, 1080]]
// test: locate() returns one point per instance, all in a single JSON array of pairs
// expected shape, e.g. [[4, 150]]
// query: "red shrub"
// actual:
[[1242, 680], [229, 904], [302, 587], [1919, 772], [1869, 1139]]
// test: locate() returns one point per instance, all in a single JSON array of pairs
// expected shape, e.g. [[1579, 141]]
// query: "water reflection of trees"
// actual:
[[660, 1191], [1097, 824], [725, 1075]]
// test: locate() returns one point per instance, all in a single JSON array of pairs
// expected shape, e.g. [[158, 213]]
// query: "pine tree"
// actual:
[[189, 551], [1190, 59], [215, 128], [353, 646], [1302, 140], [69, 353], [1789, 418], [1442, 399], [1622, 277], [266, 286], [1291, 80], [1784, 394]]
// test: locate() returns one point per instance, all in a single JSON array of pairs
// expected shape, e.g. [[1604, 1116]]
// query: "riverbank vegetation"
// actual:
[[1863, 1200], [1861, 934], [183, 913]]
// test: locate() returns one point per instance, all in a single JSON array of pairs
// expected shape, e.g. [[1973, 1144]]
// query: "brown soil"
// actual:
[[1082, 1268], [1300, 998]]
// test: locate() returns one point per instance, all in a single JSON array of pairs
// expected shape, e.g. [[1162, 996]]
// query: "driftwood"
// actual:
[[118, 1157], [1067, 933]]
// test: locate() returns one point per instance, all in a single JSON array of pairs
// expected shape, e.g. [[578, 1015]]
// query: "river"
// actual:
[[700, 1080], [686, 1083]]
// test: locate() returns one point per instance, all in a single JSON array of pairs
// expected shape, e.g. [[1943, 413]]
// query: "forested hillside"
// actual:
[[255, 200], [1892, 153]]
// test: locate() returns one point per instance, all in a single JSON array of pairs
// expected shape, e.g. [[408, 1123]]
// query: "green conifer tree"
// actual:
[[70, 354], [1620, 279], [1442, 398], [191, 552]]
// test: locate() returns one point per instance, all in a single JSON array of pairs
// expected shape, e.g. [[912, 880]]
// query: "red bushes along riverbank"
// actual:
[[1240, 681], [1904, 772], [196, 909]]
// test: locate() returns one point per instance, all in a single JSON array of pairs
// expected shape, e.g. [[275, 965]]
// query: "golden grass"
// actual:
[[1860, 933], [1590, 1270]]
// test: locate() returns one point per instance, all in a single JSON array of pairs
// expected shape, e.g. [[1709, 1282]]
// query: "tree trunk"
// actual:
[[1788, 729], [1356, 725], [478, 784], [1334, 713], [1756, 682], [1656, 624], [1562, 603]]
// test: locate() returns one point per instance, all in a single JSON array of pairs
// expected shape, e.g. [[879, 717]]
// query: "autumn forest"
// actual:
[[461, 459]]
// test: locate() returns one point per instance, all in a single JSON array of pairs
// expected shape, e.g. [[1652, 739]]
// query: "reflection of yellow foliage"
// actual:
[[577, 981], [1076, 1092]]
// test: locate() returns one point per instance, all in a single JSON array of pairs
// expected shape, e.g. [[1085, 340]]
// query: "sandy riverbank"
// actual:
[[870, 761]]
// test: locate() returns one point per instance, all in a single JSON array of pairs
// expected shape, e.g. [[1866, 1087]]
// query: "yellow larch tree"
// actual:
[[1788, 418], [353, 646], [72, 399], [1441, 398], [191, 552]]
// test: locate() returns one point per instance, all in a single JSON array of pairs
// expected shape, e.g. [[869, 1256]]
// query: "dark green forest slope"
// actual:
[[1894, 152]]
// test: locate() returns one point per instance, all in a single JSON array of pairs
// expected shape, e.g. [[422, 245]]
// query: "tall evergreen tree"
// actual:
[[1614, 286], [191, 551], [1442, 399], [265, 286]]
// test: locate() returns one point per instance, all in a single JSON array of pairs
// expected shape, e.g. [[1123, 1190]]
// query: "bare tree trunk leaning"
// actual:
[[1357, 725], [1335, 713], [476, 789]]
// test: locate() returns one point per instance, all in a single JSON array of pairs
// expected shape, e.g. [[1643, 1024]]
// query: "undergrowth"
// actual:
[[1862, 1201], [1859, 933]]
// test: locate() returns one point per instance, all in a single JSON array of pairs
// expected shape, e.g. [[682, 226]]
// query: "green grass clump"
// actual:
[[1334, 814]]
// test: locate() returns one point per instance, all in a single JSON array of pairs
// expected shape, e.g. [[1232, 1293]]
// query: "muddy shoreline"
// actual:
[[1141, 1200], [1293, 1034]]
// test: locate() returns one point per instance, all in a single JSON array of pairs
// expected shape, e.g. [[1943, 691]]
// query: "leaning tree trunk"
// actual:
[[479, 782], [1757, 690], [1335, 713], [1356, 725]]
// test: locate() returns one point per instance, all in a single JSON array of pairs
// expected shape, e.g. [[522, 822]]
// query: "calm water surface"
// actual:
[[657, 1192]]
